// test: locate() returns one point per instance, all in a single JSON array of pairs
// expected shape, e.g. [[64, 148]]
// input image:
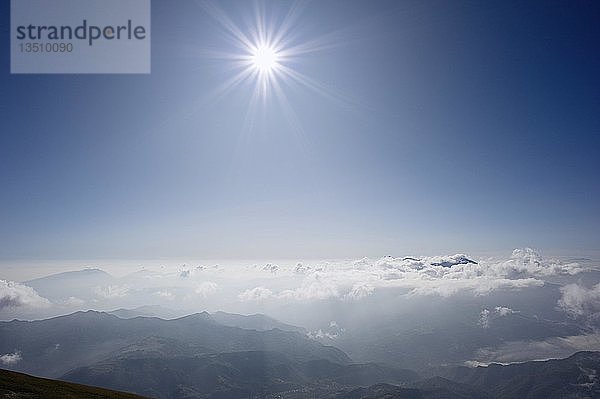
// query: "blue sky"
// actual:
[[463, 127]]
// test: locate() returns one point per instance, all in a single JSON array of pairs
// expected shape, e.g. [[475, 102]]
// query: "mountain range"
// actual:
[[55, 346], [234, 356]]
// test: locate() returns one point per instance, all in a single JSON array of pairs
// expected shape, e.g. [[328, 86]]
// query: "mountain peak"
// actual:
[[203, 316], [86, 272]]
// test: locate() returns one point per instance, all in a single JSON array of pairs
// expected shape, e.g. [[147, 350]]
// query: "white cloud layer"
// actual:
[[206, 289], [112, 291], [13, 295], [487, 316], [551, 348], [332, 332], [581, 302], [10, 359], [256, 294], [438, 275], [165, 294], [251, 287]]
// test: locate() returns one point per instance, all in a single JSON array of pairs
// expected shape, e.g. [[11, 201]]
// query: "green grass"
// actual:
[[22, 386]]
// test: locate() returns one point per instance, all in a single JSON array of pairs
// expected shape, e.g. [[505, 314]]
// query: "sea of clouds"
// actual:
[[298, 292], [194, 286]]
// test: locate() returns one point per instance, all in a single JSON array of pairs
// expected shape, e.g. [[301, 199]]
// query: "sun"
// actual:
[[264, 58], [266, 54]]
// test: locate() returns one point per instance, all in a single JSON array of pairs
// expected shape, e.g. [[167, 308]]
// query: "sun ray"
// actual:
[[316, 86], [269, 53], [230, 27], [287, 24]]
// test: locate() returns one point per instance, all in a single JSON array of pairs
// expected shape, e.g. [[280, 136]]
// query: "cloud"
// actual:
[[444, 276], [185, 273], [165, 294], [486, 315], [206, 289], [504, 311], [320, 334], [484, 318], [333, 280], [188, 271], [483, 285], [312, 289], [332, 331], [112, 291], [581, 302], [301, 268], [13, 294], [550, 348], [269, 267], [360, 291], [528, 262], [452, 274], [256, 294], [73, 301], [10, 358]]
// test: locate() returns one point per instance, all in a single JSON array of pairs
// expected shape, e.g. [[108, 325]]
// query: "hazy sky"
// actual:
[[439, 127]]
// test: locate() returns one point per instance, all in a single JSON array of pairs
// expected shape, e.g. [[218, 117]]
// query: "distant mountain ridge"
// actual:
[[197, 357], [436, 390], [192, 356], [577, 376], [145, 311], [73, 274], [77, 284], [259, 322], [574, 377], [54, 346]]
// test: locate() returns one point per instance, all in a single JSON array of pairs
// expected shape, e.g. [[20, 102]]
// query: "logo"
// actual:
[[80, 36]]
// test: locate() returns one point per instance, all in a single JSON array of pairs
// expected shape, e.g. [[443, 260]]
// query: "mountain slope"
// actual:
[[54, 346], [577, 376], [258, 322], [382, 391], [442, 388], [146, 311], [228, 375], [424, 334], [79, 283], [22, 386]]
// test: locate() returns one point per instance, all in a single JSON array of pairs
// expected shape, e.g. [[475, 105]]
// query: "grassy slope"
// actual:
[[16, 386]]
